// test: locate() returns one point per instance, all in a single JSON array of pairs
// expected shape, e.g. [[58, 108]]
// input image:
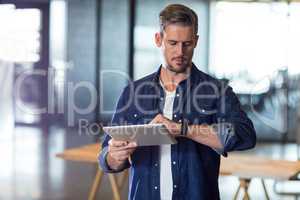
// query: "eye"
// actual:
[[172, 43], [187, 44]]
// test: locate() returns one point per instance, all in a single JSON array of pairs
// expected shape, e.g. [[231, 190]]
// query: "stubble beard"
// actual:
[[182, 70]]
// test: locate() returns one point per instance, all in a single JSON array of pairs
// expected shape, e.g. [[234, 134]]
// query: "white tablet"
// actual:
[[143, 135]]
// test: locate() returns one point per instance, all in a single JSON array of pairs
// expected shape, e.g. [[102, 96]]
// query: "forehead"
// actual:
[[178, 32]]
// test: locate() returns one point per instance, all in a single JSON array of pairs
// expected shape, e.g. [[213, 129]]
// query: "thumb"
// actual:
[[157, 119]]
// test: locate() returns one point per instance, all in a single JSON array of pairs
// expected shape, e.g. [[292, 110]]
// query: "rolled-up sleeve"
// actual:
[[102, 160], [234, 129], [224, 132], [118, 118]]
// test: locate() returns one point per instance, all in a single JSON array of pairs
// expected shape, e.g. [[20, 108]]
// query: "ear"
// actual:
[[158, 39]]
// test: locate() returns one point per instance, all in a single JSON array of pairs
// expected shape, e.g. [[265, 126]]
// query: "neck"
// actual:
[[171, 79]]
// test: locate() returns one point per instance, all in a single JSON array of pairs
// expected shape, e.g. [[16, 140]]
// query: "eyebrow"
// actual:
[[179, 41]]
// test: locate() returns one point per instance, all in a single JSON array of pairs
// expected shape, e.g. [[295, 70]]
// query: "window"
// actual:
[[20, 35], [252, 40]]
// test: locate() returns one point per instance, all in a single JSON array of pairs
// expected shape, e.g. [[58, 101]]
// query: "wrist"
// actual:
[[184, 127], [111, 162]]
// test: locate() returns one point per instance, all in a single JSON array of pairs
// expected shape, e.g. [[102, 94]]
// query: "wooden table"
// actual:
[[246, 167], [243, 166], [88, 153]]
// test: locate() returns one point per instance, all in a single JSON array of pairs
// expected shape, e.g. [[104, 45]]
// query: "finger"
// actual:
[[123, 144], [132, 144], [120, 155], [153, 121], [117, 149], [127, 147], [120, 160], [117, 143], [123, 158], [162, 119], [126, 152], [157, 119]]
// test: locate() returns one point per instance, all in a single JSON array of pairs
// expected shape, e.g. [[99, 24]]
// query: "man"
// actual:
[[202, 113]]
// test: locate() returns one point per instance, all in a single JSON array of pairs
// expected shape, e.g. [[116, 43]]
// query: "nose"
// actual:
[[179, 49]]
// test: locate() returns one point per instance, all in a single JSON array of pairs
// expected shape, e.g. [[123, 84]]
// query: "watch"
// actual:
[[184, 127]]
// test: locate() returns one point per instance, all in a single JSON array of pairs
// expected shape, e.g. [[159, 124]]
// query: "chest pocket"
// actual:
[[135, 117]]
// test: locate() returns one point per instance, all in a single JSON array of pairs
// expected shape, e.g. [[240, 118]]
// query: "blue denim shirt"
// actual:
[[195, 167]]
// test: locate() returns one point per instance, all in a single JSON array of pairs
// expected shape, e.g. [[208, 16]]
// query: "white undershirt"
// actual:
[[166, 180]]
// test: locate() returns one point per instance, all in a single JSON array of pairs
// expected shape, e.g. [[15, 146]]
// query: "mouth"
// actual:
[[179, 60]]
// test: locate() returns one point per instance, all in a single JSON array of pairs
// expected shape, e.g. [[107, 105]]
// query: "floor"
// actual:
[[30, 170]]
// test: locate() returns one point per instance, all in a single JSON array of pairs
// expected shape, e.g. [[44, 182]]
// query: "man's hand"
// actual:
[[202, 133], [119, 152], [173, 127]]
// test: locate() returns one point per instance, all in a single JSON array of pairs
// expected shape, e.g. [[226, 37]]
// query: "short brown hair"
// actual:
[[178, 14]]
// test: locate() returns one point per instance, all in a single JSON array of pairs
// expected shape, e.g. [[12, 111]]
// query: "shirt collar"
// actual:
[[192, 79]]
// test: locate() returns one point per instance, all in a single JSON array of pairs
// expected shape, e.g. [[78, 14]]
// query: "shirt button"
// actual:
[[135, 115], [177, 95], [155, 187], [155, 164], [203, 110], [174, 162], [175, 116], [161, 98], [180, 121], [175, 186]]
